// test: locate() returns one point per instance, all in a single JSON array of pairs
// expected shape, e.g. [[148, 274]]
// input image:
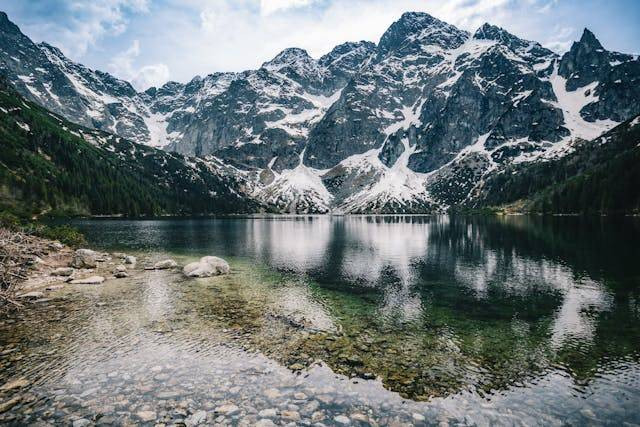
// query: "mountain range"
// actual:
[[428, 119]]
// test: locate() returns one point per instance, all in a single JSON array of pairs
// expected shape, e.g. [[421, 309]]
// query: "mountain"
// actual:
[[416, 123], [50, 165], [600, 176]]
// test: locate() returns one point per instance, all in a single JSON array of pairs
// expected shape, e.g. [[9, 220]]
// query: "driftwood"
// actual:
[[18, 253]]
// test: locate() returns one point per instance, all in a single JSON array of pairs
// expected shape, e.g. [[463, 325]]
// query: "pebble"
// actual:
[[272, 393], [343, 420], [418, 417], [290, 415], [227, 409], [268, 413], [82, 422], [146, 416], [196, 418]]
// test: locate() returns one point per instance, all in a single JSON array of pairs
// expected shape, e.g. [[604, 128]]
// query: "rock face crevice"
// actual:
[[455, 107]]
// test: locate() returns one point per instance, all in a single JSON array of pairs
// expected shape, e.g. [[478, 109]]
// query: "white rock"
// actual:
[[165, 264], [418, 417], [85, 258], [120, 268], [130, 259], [196, 418], [207, 266], [93, 280]]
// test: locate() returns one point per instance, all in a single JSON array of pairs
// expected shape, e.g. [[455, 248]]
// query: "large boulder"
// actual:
[[207, 266], [85, 258]]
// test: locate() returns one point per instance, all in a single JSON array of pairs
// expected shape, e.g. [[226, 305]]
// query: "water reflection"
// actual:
[[483, 302]]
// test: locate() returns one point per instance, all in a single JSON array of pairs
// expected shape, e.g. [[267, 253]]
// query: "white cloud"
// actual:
[[268, 7], [143, 77]]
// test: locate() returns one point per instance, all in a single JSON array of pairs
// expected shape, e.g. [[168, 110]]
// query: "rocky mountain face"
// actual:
[[417, 123]]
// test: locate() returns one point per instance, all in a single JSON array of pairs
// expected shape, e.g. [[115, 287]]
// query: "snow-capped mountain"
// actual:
[[415, 123]]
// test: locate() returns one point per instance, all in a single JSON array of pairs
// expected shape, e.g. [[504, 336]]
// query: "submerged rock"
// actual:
[[165, 264], [85, 258], [207, 266], [93, 280]]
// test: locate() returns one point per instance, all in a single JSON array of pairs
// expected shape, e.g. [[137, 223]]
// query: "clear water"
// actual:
[[393, 319]]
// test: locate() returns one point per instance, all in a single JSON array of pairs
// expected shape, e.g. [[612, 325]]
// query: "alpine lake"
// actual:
[[341, 320]]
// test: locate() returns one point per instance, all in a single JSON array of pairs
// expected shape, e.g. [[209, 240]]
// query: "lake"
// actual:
[[387, 320]]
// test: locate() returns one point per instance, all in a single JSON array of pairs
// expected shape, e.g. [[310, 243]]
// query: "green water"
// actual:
[[510, 320]]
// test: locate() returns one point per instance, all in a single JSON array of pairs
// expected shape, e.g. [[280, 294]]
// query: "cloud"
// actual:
[[199, 37], [268, 7], [143, 77], [76, 25]]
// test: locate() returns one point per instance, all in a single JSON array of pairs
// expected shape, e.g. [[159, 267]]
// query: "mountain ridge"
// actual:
[[416, 122]]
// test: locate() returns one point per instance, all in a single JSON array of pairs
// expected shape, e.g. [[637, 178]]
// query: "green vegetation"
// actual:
[[601, 177], [52, 167]]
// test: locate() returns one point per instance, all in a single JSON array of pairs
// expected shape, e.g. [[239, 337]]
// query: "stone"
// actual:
[[264, 423], [290, 415], [268, 413], [85, 258], [297, 367], [342, 420], [146, 416], [120, 267], [130, 260], [82, 422], [63, 271], [120, 274], [300, 396], [272, 393], [229, 409], [119, 255], [207, 266], [31, 295], [418, 417], [92, 280], [165, 264], [196, 418], [56, 246], [362, 418], [54, 287]]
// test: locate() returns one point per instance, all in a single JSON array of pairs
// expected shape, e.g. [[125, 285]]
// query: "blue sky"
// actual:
[[151, 41]]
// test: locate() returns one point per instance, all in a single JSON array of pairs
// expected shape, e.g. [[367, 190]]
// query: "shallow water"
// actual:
[[396, 319]]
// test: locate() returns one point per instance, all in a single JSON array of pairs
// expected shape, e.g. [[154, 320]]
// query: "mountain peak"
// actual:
[[288, 57], [589, 39], [6, 26], [420, 28]]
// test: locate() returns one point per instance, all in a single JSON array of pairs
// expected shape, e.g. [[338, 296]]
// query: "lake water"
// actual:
[[396, 320]]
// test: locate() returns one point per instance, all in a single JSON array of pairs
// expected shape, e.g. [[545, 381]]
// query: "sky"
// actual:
[[149, 42]]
